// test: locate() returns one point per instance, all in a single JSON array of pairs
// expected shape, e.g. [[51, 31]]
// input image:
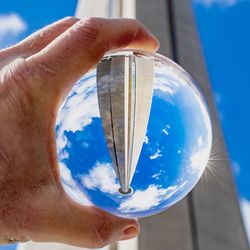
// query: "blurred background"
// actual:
[[223, 30]]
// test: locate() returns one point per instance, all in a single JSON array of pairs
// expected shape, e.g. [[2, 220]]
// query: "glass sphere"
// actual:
[[166, 152]]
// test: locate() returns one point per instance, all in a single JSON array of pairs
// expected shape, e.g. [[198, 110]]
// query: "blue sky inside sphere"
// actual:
[[174, 155]]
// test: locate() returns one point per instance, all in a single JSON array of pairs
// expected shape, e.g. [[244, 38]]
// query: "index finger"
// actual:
[[78, 49]]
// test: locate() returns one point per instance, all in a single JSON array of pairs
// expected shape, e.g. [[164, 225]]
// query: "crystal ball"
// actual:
[[133, 136]]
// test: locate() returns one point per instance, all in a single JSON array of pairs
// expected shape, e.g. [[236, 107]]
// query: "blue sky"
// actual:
[[224, 28], [25, 17]]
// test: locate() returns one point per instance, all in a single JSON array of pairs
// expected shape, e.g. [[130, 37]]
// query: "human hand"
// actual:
[[35, 77]]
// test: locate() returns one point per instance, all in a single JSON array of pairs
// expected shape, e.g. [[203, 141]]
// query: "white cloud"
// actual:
[[209, 3], [71, 187], [145, 139], [78, 110], [200, 141], [200, 157], [156, 155], [80, 107], [171, 75], [166, 130], [206, 118], [245, 209], [11, 25], [167, 81], [156, 176], [143, 200], [102, 176], [64, 154], [161, 85]]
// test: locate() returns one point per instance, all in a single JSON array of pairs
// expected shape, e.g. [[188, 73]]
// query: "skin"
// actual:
[[35, 77]]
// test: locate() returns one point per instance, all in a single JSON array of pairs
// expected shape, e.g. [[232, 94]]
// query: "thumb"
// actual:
[[100, 228], [65, 221]]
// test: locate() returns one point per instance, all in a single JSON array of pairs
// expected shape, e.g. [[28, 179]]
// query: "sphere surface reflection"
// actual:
[[174, 151]]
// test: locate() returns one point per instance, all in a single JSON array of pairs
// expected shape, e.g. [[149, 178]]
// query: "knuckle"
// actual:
[[90, 28], [15, 79], [59, 27], [90, 34], [41, 72], [44, 71], [17, 71]]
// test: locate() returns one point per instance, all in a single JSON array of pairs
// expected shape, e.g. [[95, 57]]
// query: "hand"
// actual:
[[35, 77]]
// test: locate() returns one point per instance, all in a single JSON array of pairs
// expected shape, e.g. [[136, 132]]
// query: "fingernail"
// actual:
[[128, 233]]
